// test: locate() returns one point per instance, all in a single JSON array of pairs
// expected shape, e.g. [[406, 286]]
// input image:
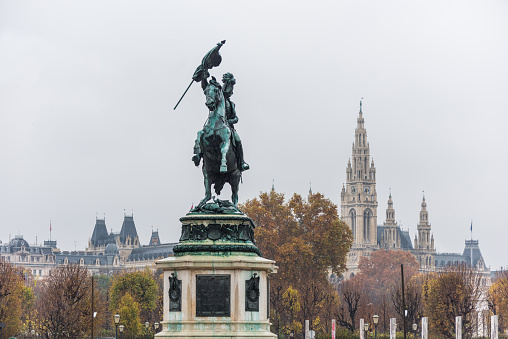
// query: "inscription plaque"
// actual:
[[213, 295]]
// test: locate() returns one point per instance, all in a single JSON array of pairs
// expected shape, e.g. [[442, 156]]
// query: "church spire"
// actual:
[[359, 197]]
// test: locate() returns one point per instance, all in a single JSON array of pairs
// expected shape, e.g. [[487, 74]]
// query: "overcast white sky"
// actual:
[[87, 126]]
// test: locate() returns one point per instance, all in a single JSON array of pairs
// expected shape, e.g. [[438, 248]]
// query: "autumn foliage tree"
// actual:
[[64, 304], [380, 275], [11, 297], [498, 299], [307, 239], [128, 310], [453, 292]]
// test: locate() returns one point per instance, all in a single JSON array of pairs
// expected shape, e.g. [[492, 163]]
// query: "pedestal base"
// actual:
[[216, 285], [238, 269]]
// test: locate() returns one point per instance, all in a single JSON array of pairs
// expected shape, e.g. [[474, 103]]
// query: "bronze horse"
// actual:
[[220, 164]]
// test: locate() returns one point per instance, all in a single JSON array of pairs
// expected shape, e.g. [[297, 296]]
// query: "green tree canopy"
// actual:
[[128, 310], [140, 285]]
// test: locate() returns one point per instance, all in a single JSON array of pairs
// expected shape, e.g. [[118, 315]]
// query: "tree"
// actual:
[[380, 275], [413, 294], [292, 307], [307, 239], [381, 271], [63, 303], [497, 299], [157, 312], [352, 297], [11, 297], [453, 292], [128, 310], [141, 286]]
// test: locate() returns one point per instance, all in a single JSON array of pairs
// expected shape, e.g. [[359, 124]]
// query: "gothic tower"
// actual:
[[425, 251], [358, 196], [390, 239]]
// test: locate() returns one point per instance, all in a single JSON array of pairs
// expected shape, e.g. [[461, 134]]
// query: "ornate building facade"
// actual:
[[359, 197], [359, 211], [106, 253]]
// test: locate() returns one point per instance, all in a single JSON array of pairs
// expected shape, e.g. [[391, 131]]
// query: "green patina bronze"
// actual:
[[216, 234], [218, 144]]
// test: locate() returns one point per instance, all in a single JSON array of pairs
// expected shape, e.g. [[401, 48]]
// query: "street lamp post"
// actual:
[[415, 327], [116, 317], [121, 327], [375, 318], [156, 325], [147, 324], [366, 327]]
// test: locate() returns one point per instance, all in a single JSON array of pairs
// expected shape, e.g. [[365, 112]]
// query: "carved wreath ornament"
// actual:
[[253, 288], [174, 288]]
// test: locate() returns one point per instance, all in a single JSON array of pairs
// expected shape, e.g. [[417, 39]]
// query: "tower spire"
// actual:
[[359, 198]]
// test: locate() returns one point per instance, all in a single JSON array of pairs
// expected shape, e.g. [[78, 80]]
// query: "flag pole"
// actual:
[[471, 243], [183, 94]]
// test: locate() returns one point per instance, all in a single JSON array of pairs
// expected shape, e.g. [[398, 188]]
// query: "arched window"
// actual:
[[367, 219], [352, 215]]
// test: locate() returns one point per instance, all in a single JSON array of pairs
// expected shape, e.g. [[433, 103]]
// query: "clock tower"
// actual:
[[358, 199]]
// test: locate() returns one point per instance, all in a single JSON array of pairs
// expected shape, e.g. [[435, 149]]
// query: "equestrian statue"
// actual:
[[218, 144]]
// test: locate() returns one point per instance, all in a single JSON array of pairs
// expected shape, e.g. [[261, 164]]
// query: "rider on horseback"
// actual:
[[227, 90]]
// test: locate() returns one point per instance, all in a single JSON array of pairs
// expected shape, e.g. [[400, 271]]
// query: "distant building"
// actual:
[[38, 259], [106, 253], [359, 211]]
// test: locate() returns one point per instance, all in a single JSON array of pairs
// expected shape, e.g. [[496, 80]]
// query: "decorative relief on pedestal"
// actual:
[[252, 294], [213, 295], [216, 234], [228, 232], [175, 294]]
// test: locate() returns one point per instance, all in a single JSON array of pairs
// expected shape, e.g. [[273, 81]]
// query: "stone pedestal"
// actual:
[[216, 285]]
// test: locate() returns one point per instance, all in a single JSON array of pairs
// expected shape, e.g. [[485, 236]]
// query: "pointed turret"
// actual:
[[154, 239], [391, 231], [100, 233], [128, 234], [424, 249]]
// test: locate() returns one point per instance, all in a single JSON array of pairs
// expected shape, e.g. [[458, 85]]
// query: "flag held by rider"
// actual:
[[210, 60]]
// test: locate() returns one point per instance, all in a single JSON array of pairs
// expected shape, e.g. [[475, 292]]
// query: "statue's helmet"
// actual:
[[229, 81]]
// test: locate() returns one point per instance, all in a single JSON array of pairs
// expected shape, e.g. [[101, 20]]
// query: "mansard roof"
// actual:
[[128, 229], [477, 254], [89, 258], [100, 233], [405, 239], [152, 252], [19, 242], [154, 239]]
